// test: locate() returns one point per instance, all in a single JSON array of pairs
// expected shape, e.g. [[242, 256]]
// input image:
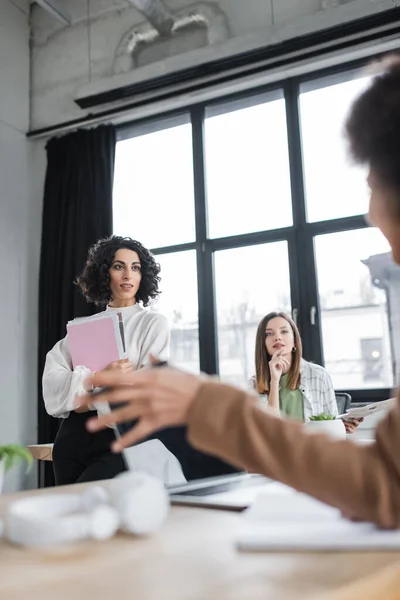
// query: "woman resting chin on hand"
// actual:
[[289, 384]]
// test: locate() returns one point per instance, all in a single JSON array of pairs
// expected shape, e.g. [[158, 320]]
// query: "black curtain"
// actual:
[[77, 211]]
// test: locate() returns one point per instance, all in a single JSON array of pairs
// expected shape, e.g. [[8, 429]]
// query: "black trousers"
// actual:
[[195, 464], [80, 456]]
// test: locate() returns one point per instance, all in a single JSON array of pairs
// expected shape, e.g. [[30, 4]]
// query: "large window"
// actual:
[[251, 205]]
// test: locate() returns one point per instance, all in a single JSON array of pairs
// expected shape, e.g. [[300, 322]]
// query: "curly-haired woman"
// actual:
[[120, 275]]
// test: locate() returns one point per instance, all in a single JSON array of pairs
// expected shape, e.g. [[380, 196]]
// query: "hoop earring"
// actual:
[[294, 349]]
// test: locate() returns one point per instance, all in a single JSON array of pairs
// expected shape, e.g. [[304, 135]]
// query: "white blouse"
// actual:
[[146, 332]]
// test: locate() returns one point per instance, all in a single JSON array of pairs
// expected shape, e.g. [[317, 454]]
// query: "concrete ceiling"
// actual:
[[56, 8]]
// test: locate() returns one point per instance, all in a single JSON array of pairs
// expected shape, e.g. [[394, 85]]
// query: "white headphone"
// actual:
[[134, 502]]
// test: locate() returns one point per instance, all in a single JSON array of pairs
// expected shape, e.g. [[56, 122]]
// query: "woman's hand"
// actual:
[[123, 365], [277, 365], [157, 397], [120, 366], [352, 425], [81, 409]]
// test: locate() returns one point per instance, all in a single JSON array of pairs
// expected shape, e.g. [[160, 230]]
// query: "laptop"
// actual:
[[234, 492], [210, 481]]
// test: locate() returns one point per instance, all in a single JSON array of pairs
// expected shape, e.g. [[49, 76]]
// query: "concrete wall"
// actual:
[[20, 223], [67, 59]]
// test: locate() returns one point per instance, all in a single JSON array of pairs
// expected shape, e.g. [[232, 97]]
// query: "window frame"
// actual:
[[302, 265]]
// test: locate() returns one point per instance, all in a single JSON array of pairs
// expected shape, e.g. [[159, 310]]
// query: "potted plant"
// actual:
[[329, 424], [10, 456]]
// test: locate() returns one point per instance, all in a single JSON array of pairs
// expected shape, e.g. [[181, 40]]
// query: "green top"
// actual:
[[290, 401]]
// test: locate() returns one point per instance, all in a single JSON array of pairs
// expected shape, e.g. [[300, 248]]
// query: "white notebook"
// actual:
[[282, 519]]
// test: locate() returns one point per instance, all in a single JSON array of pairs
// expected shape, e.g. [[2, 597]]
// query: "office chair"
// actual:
[[343, 401]]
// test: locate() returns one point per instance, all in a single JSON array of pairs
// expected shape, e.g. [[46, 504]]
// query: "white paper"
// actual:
[[289, 521], [369, 409], [334, 534]]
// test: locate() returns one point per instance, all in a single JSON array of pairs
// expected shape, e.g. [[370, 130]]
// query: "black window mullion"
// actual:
[[294, 280], [291, 94], [301, 250], [337, 225], [309, 300], [204, 256]]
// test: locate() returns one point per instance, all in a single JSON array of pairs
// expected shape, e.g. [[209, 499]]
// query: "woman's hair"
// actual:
[[373, 125], [262, 358], [95, 278]]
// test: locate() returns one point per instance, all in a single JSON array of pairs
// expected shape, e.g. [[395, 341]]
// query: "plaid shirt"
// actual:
[[317, 389]]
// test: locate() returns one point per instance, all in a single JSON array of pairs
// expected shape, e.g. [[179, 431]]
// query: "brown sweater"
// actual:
[[362, 481]]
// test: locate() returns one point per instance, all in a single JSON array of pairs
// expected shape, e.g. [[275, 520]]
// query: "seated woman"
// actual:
[[120, 275], [291, 385]]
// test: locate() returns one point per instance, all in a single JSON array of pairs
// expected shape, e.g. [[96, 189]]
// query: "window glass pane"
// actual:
[[359, 291], [247, 169], [250, 282], [371, 356], [333, 186], [178, 302], [153, 187]]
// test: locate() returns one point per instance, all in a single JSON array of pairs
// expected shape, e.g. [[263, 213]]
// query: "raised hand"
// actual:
[[278, 365], [158, 398]]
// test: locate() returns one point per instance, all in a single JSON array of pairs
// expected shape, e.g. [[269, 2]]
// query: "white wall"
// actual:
[[67, 59], [20, 224]]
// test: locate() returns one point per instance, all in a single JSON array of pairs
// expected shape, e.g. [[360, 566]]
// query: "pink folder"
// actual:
[[94, 342]]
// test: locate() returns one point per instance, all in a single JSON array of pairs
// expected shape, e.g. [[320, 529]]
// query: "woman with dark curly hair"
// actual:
[[120, 275]]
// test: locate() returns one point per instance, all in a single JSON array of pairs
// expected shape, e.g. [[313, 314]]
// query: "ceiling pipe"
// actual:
[[157, 14], [201, 15]]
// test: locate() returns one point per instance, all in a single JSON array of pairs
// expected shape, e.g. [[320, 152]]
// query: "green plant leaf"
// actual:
[[322, 417], [14, 454]]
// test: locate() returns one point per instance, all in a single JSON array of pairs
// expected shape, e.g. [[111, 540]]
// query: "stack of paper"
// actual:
[[96, 341], [284, 520]]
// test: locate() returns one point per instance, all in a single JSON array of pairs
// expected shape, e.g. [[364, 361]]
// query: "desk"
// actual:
[[45, 451], [41, 451], [192, 558]]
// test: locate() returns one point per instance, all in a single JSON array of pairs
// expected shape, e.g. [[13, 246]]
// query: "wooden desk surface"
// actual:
[[41, 451], [193, 557], [45, 451]]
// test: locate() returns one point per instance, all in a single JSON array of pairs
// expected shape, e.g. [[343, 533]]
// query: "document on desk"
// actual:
[[286, 520]]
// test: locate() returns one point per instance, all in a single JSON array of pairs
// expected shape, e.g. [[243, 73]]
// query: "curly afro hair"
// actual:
[[373, 125], [95, 278]]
